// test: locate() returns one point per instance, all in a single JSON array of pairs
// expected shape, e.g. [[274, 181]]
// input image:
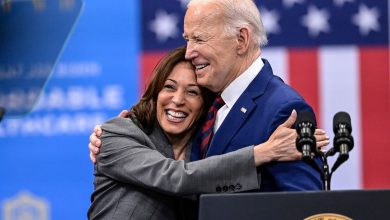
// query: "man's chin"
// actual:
[[201, 81]]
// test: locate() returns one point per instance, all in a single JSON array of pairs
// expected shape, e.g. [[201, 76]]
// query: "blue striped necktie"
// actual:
[[208, 127]]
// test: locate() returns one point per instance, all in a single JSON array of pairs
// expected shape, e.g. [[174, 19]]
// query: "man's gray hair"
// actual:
[[238, 14]]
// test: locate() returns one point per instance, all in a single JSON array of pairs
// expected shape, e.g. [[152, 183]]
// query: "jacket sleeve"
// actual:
[[296, 175], [127, 156]]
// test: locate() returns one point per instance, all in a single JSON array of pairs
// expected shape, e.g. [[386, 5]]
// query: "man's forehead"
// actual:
[[199, 29], [195, 33], [202, 19]]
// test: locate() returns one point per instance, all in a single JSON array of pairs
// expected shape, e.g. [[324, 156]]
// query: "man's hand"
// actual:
[[94, 138]]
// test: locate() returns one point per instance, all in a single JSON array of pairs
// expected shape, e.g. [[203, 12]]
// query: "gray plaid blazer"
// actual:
[[136, 177]]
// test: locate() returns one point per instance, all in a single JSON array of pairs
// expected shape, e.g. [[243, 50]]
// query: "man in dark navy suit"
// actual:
[[224, 39]]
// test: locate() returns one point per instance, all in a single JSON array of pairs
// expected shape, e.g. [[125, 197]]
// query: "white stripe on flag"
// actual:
[[277, 57], [339, 82]]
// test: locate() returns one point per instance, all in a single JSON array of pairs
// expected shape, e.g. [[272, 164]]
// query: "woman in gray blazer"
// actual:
[[143, 165]]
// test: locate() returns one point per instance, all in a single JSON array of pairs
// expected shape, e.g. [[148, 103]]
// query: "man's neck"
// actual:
[[244, 63]]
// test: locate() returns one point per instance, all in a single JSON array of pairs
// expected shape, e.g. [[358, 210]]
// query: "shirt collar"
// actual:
[[231, 94]]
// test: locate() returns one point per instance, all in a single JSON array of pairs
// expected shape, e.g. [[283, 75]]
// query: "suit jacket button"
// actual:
[[232, 187], [218, 189], [225, 188], [238, 186]]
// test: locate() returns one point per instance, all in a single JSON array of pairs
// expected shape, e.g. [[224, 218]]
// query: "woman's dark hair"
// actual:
[[145, 109]]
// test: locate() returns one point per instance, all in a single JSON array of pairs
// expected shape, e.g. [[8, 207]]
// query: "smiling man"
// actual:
[[224, 39]]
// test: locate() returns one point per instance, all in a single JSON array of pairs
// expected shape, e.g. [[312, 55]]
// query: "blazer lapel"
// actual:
[[158, 137], [240, 112]]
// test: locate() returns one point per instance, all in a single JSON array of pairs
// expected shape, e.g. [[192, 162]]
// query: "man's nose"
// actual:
[[190, 52]]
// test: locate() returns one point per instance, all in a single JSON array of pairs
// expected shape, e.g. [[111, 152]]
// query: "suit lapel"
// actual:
[[240, 111], [233, 121]]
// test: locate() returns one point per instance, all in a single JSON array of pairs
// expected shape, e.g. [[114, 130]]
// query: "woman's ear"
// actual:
[[243, 40]]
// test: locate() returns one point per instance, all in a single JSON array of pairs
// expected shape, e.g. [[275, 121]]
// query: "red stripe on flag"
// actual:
[[148, 62], [303, 75], [375, 127]]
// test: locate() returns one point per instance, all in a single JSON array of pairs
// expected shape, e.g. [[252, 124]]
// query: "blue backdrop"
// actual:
[[45, 171]]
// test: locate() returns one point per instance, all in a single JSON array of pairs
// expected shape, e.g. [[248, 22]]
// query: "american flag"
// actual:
[[334, 52]]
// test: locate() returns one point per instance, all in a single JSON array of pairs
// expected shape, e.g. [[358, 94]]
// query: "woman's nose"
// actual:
[[178, 98]]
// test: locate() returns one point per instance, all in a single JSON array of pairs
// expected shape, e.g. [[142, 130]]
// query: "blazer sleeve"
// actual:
[[127, 156], [295, 175]]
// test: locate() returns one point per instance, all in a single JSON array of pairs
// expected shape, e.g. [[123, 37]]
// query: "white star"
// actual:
[[270, 20], [184, 3], [291, 3], [340, 3], [316, 21], [165, 26], [366, 19]]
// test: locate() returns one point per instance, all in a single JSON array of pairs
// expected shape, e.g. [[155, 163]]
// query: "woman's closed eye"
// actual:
[[193, 92], [169, 87]]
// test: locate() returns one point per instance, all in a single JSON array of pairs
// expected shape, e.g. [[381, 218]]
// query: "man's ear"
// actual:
[[243, 37]]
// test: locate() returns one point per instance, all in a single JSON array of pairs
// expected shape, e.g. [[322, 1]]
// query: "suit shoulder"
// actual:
[[284, 92], [282, 97]]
